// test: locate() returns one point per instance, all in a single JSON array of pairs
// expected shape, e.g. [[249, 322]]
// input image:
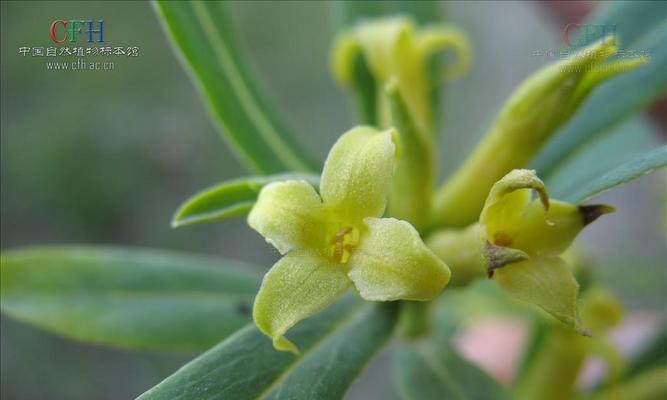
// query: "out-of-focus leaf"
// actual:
[[629, 19], [633, 137], [335, 345], [530, 352], [202, 33], [612, 103], [649, 385], [430, 369], [638, 166], [127, 297], [480, 299], [653, 354], [229, 199]]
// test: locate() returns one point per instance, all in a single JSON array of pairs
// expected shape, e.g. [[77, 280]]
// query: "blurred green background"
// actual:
[[106, 157]]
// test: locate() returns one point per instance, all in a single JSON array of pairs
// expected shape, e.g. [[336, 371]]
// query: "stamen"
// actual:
[[344, 241]]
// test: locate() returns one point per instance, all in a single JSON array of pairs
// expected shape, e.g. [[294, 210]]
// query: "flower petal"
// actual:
[[357, 173], [387, 45], [344, 52], [546, 282], [393, 263], [290, 215], [433, 39], [539, 227], [297, 286]]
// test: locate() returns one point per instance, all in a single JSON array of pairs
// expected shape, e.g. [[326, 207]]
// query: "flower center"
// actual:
[[343, 242]]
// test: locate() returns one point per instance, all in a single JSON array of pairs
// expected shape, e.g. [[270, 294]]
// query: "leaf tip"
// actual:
[[177, 220]]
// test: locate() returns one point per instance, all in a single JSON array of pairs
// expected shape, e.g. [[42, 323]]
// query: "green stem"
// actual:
[[553, 372], [415, 319], [462, 250]]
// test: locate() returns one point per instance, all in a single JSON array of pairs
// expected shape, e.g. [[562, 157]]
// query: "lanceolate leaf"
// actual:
[[201, 31], [638, 166], [653, 354], [128, 298], [229, 199], [628, 140], [335, 346], [629, 19], [430, 369], [613, 102]]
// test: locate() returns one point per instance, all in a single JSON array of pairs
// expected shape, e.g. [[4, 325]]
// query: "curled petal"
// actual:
[[343, 55], [297, 286], [357, 173], [386, 44], [546, 282], [393, 263], [290, 215], [515, 180], [546, 227], [505, 207], [437, 38]]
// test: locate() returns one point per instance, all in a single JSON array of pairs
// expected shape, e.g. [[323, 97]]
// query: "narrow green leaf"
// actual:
[[335, 346], [629, 139], [649, 385], [535, 344], [638, 166], [652, 355], [430, 369], [229, 199], [202, 33], [629, 19], [127, 297], [611, 104]]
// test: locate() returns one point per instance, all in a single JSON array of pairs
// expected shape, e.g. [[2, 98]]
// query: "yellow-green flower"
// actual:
[[533, 113], [394, 49], [524, 238], [336, 239]]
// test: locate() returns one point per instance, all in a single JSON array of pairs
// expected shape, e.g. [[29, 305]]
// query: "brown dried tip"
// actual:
[[585, 332], [499, 256], [590, 213]]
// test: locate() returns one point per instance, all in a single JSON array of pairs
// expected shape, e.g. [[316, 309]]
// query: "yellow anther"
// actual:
[[343, 242]]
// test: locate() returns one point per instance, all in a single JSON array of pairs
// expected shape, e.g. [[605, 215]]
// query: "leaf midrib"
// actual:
[[435, 366], [291, 366], [264, 127], [337, 327]]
